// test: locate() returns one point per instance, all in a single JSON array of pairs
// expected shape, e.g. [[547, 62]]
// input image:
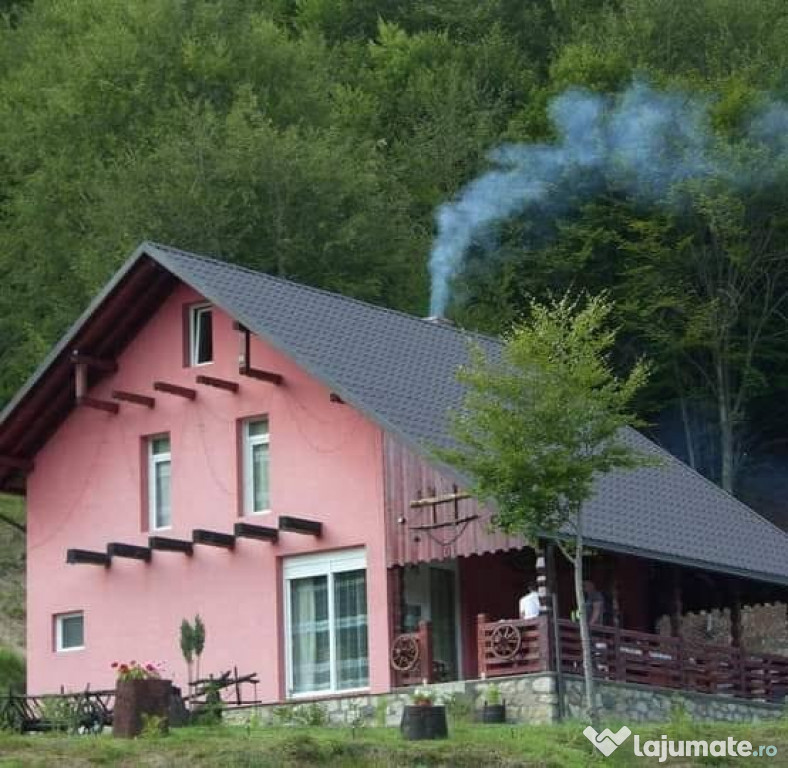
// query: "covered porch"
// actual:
[[457, 620]]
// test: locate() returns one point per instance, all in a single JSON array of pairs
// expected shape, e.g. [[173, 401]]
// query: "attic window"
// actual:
[[201, 334]]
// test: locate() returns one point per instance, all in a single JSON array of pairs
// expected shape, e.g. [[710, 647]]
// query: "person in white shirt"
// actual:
[[529, 603]]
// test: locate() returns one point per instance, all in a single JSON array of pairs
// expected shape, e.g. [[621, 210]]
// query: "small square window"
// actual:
[[69, 631], [201, 334]]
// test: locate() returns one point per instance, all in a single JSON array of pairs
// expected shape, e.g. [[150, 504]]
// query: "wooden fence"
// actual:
[[522, 647]]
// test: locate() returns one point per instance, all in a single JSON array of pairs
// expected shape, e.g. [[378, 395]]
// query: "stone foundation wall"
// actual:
[[530, 699], [631, 703]]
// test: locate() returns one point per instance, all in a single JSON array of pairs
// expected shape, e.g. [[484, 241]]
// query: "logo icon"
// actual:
[[607, 742]]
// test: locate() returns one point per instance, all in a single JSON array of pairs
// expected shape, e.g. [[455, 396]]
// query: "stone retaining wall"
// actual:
[[532, 699]]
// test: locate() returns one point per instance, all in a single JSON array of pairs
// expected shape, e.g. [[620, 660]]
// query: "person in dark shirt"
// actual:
[[594, 603]]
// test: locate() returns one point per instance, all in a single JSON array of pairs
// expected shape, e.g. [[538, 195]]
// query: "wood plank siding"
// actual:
[[408, 477]]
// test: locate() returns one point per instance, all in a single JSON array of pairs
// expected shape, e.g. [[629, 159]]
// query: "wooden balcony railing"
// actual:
[[520, 647], [411, 657]]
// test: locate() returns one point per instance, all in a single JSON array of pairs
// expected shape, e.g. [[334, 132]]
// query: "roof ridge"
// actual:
[[450, 326]]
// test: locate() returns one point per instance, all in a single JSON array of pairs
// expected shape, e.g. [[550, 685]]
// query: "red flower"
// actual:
[[114, 665]]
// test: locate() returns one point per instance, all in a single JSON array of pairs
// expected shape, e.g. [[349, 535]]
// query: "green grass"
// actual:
[[469, 746]]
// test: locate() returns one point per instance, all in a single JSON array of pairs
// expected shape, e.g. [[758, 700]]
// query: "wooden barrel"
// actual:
[[135, 698], [420, 723], [494, 713]]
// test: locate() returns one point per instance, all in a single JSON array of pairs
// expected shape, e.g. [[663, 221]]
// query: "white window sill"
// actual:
[[70, 650], [160, 530], [261, 513], [201, 365]]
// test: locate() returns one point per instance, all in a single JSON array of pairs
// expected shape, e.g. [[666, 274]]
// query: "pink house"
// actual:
[[211, 440]]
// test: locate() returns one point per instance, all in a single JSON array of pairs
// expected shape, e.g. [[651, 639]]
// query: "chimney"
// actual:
[[439, 320]]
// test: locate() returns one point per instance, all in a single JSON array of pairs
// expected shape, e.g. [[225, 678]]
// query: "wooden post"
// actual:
[[481, 620], [677, 605], [735, 615], [425, 645]]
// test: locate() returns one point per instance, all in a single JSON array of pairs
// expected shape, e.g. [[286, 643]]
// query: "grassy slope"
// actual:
[[469, 747], [12, 577]]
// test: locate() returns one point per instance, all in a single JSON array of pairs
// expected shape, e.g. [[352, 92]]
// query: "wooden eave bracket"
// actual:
[[174, 389], [260, 375], [259, 532], [87, 557], [212, 381], [98, 405], [133, 397], [132, 551], [300, 525], [213, 538], [166, 544]]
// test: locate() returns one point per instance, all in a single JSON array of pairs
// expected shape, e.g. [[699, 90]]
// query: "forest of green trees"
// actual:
[[319, 139]]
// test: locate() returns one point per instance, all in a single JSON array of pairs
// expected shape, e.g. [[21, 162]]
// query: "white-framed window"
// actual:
[[69, 631], [159, 482], [256, 486], [326, 622], [200, 334]]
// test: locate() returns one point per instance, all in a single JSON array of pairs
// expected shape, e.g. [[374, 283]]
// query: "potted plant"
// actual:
[[140, 690], [423, 718], [494, 707]]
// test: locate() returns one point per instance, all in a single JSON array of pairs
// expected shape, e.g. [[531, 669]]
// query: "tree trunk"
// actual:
[[726, 429], [585, 633]]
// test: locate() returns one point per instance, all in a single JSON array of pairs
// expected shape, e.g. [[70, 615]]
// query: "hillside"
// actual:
[[12, 578]]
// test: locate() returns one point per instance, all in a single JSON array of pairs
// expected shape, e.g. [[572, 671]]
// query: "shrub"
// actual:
[[12, 671]]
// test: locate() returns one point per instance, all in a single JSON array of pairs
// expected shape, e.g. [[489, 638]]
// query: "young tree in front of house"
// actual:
[[540, 424]]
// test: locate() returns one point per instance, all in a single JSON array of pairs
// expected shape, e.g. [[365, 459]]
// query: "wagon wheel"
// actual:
[[404, 653], [505, 641]]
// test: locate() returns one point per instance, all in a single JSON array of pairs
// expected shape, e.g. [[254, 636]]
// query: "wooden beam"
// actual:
[[256, 373], [174, 389], [165, 544], [100, 364], [213, 538], [132, 551], [99, 405], [259, 532], [300, 525], [14, 462], [211, 381], [432, 500], [133, 397], [87, 557]]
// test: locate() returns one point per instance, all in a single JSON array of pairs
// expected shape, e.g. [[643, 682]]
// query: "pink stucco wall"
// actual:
[[326, 464]]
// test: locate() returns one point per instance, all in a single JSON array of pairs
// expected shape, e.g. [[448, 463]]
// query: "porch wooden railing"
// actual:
[[519, 647], [411, 656]]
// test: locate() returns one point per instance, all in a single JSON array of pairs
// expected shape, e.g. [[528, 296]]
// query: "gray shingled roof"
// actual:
[[400, 371]]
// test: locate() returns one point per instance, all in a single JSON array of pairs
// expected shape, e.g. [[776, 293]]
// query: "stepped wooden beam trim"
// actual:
[[174, 389], [87, 557], [132, 551], [99, 405], [213, 538], [335, 398], [212, 381], [300, 525], [105, 365], [14, 462], [259, 532], [256, 373], [133, 397], [166, 544]]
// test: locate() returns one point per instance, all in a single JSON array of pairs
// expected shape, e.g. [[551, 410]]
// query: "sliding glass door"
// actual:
[[326, 626]]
